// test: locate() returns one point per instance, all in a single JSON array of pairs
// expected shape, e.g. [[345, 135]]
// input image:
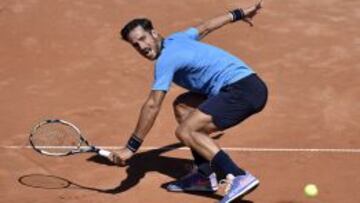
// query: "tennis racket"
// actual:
[[55, 137]]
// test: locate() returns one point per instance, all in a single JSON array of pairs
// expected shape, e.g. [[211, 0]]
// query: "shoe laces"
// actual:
[[227, 183]]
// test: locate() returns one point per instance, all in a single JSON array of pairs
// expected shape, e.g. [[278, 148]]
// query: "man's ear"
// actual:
[[154, 33]]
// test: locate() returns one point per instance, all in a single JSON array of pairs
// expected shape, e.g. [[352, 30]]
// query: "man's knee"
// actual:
[[187, 133], [183, 133]]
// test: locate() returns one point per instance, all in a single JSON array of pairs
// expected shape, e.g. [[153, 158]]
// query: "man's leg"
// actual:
[[200, 125], [191, 133], [233, 104], [183, 106], [202, 177]]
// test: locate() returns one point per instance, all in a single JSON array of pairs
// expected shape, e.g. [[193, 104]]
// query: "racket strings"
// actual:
[[57, 138]]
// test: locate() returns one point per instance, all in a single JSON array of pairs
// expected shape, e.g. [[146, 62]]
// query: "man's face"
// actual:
[[147, 43]]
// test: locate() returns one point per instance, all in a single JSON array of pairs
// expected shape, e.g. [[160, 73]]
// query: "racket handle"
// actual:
[[104, 153]]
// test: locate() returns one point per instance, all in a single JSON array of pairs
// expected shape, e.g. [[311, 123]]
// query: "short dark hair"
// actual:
[[143, 22]]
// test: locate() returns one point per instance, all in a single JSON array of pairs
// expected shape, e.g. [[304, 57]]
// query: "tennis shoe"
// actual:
[[238, 186], [194, 182]]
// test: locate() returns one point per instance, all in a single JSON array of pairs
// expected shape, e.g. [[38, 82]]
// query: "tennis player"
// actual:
[[222, 92]]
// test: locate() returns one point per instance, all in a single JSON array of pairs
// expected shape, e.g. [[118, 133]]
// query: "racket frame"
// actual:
[[80, 146]]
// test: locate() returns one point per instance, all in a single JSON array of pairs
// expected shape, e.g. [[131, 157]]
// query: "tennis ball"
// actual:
[[311, 190]]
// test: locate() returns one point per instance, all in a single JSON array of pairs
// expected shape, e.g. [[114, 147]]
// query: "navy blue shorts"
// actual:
[[236, 102]]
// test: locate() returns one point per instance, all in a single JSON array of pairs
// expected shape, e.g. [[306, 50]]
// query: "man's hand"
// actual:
[[251, 11], [121, 157]]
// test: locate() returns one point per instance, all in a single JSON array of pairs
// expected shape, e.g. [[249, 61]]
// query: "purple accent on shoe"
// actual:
[[239, 186], [194, 182]]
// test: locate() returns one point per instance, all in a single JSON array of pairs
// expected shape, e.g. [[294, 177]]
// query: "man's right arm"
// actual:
[[148, 114]]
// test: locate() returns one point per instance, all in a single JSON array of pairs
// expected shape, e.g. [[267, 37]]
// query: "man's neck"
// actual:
[[161, 45]]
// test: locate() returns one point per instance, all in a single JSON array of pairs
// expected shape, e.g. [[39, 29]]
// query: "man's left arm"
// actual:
[[237, 14]]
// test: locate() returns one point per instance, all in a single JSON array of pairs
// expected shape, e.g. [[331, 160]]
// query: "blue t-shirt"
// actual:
[[196, 66]]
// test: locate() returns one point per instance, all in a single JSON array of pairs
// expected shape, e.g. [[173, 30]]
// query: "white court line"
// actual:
[[231, 149]]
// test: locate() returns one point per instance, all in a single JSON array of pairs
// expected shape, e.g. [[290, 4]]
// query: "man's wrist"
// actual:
[[134, 143], [237, 14]]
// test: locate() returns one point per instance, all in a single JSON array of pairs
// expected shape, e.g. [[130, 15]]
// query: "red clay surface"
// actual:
[[64, 59]]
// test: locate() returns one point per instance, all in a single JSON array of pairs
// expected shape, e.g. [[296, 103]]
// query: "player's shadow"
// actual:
[[153, 160], [138, 166], [145, 162]]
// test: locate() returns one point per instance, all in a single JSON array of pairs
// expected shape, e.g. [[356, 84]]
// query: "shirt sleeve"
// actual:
[[163, 75], [192, 33]]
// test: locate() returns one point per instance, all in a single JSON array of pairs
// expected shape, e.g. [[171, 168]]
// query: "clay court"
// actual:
[[64, 59]]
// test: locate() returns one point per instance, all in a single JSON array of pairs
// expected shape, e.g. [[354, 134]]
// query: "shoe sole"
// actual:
[[190, 190], [251, 187]]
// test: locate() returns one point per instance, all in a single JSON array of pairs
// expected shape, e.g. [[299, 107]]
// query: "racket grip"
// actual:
[[104, 153]]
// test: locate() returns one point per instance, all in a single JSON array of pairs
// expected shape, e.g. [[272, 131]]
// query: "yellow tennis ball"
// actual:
[[311, 190]]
